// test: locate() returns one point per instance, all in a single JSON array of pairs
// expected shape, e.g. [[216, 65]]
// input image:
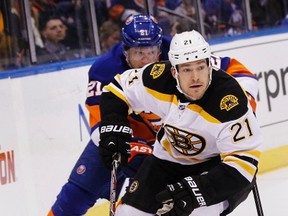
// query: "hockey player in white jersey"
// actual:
[[206, 153]]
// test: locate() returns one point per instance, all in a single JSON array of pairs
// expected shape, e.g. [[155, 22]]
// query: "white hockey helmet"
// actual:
[[187, 47]]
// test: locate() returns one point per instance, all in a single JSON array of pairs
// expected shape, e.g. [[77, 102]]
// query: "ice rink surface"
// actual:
[[273, 190]]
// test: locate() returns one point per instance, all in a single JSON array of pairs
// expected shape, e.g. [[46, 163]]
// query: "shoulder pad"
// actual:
[[226, 99], [157, 76]]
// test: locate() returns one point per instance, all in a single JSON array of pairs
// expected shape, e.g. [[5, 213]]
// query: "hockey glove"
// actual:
[[114, 138], [180, 198]]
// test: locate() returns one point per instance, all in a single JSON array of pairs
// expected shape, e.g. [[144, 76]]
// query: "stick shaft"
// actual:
[[257, 200], [113, 184]]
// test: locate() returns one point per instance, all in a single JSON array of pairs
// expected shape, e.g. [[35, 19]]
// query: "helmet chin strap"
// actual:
[[178, 83]]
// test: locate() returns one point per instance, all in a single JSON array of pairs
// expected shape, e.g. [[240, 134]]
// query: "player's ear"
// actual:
[[173, 72]]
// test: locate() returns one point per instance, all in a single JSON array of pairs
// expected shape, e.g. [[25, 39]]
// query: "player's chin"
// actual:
[[195, 94]]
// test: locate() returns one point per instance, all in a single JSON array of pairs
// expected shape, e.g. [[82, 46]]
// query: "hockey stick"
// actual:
[[147, 7], [113, 184], [257, 200]]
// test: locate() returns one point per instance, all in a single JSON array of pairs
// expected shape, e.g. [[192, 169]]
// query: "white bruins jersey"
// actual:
[[220, 123]]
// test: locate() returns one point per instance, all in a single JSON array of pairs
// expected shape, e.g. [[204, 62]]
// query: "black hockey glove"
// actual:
[[114, 138], [180, 198]]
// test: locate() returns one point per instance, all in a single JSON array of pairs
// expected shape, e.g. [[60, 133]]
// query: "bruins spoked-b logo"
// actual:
[[134, 186], [185, 142], [157, 70], [228, 102]]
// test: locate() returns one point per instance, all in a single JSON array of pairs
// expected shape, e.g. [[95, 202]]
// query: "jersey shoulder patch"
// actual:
[[226, 99], [157, 76]]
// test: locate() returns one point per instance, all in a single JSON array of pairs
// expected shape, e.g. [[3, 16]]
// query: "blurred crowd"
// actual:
[[63, 30]]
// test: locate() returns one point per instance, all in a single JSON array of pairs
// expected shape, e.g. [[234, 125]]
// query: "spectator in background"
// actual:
[[258, 14], [53, 32], [1, 21], [121, 9], [274, 11], [41, 10], [181, 8], [217, 15], [13, 45], [109, 35], [69, 11], [184, 7], [74, 13], [2, 41], [181, 25], [102, 14], [267, 13], [236, 21]]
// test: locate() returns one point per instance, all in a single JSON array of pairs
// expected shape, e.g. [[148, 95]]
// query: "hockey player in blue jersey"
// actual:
[[142, 43]]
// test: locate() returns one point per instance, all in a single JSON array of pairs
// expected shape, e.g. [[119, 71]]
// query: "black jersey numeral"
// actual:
[[187, 42], [131, 80], [239, 133]]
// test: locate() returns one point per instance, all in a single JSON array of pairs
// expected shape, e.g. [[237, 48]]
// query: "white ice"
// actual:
[[273, 190]]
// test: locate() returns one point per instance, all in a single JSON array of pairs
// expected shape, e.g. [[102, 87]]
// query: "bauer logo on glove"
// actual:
[[115, 138], [115, 129]]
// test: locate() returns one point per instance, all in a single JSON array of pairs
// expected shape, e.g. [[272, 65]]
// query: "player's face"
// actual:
[[55, 31], [194, 78], [140, 56]]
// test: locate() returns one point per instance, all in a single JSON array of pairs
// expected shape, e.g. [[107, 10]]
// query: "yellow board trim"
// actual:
[[273, 159], [101, 210], [269, 160]]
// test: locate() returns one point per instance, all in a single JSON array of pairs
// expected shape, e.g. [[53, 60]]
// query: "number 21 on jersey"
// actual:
[[241, 131]]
